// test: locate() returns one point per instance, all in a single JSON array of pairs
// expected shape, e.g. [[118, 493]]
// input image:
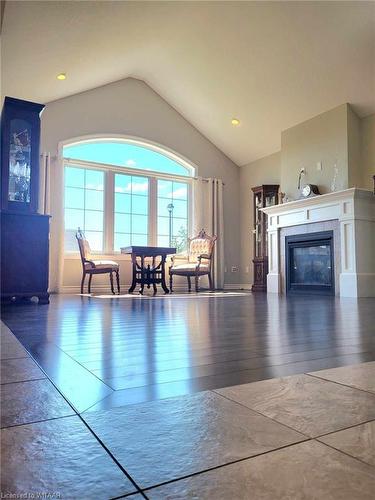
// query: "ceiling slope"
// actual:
[[270, 64]]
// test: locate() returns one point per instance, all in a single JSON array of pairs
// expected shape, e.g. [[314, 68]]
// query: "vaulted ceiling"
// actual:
[[269, 64]]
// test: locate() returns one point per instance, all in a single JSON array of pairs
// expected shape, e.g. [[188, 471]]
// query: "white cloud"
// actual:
[[180, 193], [135, 187]]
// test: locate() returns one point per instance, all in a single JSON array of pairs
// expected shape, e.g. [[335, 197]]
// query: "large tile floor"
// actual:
[[248, 441]]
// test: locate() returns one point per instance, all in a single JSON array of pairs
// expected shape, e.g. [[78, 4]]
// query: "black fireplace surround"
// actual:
[[309, 262]]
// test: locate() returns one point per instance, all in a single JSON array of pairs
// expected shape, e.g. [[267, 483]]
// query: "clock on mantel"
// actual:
[[266, 195]]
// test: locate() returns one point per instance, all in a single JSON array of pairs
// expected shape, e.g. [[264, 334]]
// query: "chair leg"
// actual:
[[189, 283], [196, 283], [111, 280], [118, 281], [210, 282], [83, 281], [170, 282], [89, 287]]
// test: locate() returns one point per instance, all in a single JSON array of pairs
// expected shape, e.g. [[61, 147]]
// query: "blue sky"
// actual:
[[127, 155]]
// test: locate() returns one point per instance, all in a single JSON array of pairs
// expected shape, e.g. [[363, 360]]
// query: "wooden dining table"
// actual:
[[148, 265]]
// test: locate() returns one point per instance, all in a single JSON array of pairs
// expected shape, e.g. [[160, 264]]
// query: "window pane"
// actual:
[[121, 240], [163, 241], [95, 238], [131, 207], [94, 180], [71, 243], [180, 208], [74, 177], [139, 224], [123, 183], [163, 207], [140, 185], [122, 223], [84, 206], [163, 225], [180, 234], [165, 189], [94, 199], [180, 191], [179, 227], [74, 219], [74, 198], [139, 204], [139, 239], [173, 202], [122, 203], [93, 220]]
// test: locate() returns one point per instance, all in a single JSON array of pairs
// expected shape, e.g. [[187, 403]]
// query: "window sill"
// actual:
[[113, 256]]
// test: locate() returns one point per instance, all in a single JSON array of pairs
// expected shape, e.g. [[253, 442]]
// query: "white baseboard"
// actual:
[[76, 289], [237, 286]]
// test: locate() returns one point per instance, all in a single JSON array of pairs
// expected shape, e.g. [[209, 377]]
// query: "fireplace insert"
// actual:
[[309, 262]]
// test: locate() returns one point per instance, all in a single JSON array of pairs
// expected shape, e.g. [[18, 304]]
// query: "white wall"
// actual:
[[132, 108]]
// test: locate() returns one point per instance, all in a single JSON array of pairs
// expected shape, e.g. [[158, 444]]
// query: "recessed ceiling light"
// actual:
[[235, 122], [61, 76]]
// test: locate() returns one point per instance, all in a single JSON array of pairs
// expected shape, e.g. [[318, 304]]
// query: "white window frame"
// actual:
[[109, 193]]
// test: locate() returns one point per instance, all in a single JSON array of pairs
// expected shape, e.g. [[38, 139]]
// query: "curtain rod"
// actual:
[[206, 180], [54, 157]]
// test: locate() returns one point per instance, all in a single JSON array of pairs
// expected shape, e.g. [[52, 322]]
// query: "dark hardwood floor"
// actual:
[[106, 351]]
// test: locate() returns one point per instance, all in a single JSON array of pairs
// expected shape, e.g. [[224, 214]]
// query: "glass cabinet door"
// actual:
[[258, 224], [270, 199], [19, 161]]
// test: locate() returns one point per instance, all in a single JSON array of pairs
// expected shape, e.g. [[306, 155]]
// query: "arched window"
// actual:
[[123, 193]]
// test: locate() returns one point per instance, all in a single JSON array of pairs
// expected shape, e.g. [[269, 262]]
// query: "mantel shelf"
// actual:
[[323, 199]]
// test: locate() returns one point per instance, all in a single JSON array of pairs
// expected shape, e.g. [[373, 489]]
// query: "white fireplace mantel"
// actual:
[[355, 210]]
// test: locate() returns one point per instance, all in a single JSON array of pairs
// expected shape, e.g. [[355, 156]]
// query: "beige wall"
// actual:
[[131, 107], [263, 171], [355, 167], [337, 135], [322, 139], [368, 151]]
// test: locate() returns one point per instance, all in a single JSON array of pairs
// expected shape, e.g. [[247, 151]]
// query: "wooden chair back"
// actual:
[[84, 247]]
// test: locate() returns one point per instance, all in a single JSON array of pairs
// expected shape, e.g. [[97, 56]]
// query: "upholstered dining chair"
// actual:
[[91, 266], [196, 262]]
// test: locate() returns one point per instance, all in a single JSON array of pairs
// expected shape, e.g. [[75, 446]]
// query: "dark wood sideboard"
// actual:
[[24, 256]]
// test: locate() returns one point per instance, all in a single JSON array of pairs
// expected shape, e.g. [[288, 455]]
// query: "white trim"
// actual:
[[138, 141], [237, 286], [100, 256], [92, 165], [180, 287], [106, 288], [355, 210]]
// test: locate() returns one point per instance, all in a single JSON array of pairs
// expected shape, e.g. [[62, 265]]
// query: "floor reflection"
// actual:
[[111, 350]]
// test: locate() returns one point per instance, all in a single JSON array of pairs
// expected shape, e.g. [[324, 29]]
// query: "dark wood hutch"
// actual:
[[24, 232], [263, 196]]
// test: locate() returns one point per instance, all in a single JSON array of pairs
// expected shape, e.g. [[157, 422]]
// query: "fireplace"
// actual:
[[309, 260]]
